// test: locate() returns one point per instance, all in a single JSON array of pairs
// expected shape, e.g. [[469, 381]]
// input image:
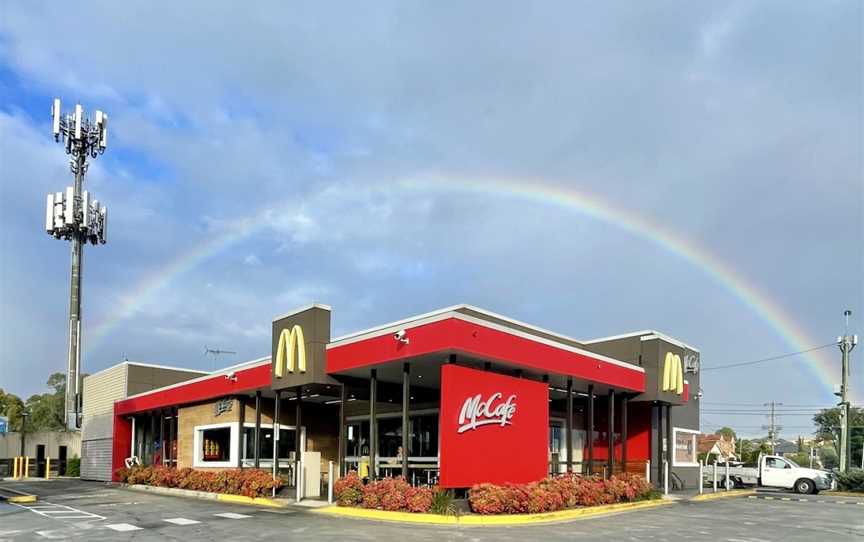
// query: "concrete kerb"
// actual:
[[14, 496], [723, 495], [188, 493], [480, 520]]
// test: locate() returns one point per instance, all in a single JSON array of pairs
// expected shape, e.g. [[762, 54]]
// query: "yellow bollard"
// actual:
[[47, 468], [15, 467], [26, 466]]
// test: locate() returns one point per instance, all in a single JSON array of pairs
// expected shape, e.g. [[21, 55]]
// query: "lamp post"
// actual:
[[73, 216]]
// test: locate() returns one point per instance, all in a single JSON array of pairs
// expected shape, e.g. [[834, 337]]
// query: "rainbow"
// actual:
[[539, 191]]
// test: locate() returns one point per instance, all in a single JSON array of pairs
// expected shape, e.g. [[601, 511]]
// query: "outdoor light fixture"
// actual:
[[74, 216]]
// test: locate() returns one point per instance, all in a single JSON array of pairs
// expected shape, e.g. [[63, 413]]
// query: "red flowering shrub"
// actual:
[[348, 490], [418, 499], [247, 482], [393, 494], [559, 493]]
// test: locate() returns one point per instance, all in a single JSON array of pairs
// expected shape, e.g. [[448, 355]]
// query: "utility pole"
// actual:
[[71, 215], [846, 343], [772, 427]]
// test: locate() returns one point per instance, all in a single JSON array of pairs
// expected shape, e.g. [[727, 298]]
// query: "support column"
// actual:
[[241, 405], [670, 444], [660, 439], [298, 433], [406, 396], [624, 401], [343, 397], [257, 439], [610, 440], [276, 432], [568, 433], [589, 429], [373, 425], [172, 436], [162, 436]]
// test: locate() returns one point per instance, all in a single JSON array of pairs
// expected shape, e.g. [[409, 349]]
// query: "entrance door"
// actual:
[[61, 461], [40, 460]]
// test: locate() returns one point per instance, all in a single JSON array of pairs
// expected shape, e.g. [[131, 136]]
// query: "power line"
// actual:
[[763, 360]]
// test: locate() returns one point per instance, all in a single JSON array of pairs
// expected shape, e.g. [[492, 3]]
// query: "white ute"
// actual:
[[773, 471]]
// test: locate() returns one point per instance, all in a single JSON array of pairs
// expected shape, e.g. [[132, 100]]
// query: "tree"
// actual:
[[47, 409], [11, 406], [726, 432], [828, 424]]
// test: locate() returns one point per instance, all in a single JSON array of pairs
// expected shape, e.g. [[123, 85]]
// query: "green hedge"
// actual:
[[851, 481], [73, 466]]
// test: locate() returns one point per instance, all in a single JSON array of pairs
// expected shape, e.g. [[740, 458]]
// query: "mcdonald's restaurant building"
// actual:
[[484, 398]]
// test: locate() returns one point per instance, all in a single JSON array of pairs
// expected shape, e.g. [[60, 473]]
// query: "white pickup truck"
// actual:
[[772, 471]]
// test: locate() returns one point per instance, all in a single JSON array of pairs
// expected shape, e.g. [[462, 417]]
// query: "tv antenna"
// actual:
[[216, 352]]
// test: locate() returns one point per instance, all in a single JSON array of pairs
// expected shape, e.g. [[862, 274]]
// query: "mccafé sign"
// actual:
[[476, 412], [493, 428]]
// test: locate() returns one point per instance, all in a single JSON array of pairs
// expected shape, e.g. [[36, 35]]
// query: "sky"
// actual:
[[396, 157]]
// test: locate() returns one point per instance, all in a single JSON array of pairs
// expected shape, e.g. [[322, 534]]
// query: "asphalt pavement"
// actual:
[[76, 510]]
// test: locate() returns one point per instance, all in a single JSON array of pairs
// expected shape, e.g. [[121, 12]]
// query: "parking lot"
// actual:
[[71, 509]]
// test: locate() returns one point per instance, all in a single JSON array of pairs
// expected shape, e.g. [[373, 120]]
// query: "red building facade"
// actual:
[[456, 397]]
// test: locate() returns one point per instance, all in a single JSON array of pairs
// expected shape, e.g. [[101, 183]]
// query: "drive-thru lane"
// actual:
[[74, 510]]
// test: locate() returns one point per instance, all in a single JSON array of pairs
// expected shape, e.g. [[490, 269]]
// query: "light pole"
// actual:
[[846, 343], [73, 216]]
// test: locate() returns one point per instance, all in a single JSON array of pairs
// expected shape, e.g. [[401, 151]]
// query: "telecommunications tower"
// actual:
[[72, 215]]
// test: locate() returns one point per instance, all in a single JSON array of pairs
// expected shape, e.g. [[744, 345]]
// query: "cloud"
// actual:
[[249, 175]]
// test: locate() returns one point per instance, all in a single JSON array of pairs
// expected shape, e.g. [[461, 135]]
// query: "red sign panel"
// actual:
[[494, 428]]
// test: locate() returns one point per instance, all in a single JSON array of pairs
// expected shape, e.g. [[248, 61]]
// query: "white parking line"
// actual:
[[232, 515], [50, 510], [123, 527], [181, 521]]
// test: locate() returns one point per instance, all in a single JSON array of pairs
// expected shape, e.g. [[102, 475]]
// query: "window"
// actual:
[[216, 444], [422, 437], [286, 443], [685, 448]]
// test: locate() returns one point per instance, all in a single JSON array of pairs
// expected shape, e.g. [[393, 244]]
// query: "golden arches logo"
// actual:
[[291, 351], [673, 373]]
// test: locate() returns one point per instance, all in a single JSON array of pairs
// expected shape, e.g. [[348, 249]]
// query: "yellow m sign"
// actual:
[[290, 352], [673, 374]]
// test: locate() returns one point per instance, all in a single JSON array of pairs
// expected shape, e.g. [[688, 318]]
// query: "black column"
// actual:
[[373, 425], [343, 397], [162, 434], [670, 444], [568, 433], [257, 429], [276, 403], [241, 405], [610, 440], [298, 431], [589, 429], [172, 435], [624, 401], [658, 479], [406, 396]]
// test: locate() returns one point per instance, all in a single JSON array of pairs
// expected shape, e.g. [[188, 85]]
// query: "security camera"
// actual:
[[232, 376], [400, 336]]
